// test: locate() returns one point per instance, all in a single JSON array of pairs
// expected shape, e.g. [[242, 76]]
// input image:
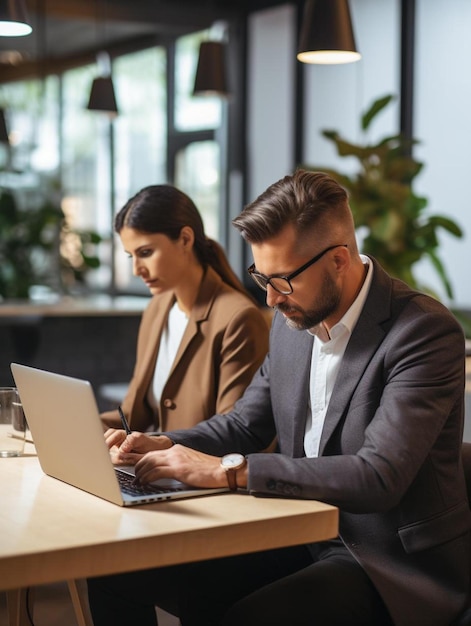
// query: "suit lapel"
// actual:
[[290, 363], [301, 391], [199, 313], [366, 337], [360, 349]]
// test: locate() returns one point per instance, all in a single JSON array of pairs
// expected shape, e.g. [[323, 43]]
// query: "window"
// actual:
[[32, 124], [140, 139], [162, 134], [141, 126], [197, 173], [192, 113], [198, 152]]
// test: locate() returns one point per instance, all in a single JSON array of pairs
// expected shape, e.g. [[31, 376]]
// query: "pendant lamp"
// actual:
[[3, 128], [102, 95], [13, 19], [211, 72], [327, 33]]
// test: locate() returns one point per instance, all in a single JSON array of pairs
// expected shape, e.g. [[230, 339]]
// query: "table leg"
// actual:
[[78, 593], [17, 607]]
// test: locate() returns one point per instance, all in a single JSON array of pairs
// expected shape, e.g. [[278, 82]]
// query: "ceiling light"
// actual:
[[327, 33], [211, 74], [13, 19], [102, 96], [3, 128]]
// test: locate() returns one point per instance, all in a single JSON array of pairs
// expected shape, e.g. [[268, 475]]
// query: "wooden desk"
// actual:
[[50, 531]]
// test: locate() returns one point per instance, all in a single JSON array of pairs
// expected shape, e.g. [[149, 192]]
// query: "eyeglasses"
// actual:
[[282, 284]]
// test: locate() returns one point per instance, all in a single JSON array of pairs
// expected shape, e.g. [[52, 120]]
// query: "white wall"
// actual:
[[337, 95], [443, 124], [272, 50]]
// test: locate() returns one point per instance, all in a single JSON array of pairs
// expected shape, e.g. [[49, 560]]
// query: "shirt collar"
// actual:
[[350, 318]]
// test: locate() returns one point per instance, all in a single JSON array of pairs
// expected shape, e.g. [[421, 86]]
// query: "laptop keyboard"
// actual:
[[126, 483]]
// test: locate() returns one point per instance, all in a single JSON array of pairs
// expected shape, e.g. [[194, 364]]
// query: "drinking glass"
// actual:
[[12, 423]]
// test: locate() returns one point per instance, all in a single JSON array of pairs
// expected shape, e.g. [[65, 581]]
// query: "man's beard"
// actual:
[[326, 305]]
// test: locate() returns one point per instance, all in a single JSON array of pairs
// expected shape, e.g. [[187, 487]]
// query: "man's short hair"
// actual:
[[305, 199]]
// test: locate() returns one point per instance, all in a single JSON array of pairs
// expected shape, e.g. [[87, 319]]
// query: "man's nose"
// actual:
[[274, 297]]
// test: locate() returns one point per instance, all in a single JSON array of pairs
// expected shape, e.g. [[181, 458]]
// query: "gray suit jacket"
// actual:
[[390, 447]]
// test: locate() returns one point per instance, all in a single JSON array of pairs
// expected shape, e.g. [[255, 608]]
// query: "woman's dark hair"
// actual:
[[165, 209]]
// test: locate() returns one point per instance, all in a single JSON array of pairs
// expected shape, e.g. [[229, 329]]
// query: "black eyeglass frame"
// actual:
[[266, 280]]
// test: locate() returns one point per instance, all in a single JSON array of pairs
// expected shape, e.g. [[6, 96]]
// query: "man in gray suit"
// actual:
[[365, 397]]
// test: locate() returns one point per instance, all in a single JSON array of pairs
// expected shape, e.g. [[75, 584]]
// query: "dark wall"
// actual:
[[100, 349]]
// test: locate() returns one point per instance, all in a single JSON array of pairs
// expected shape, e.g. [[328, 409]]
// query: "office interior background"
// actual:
[[225, 151], [222, 150]]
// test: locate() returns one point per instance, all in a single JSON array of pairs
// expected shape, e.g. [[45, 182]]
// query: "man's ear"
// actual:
[[342, 258]]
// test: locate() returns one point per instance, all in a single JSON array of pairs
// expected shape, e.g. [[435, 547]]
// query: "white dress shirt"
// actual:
[[169, 343], [327, 353]]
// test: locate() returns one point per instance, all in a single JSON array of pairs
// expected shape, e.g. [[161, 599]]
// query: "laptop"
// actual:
[[67, 431]]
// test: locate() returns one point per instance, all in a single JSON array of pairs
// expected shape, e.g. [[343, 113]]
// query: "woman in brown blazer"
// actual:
[[201, 337]]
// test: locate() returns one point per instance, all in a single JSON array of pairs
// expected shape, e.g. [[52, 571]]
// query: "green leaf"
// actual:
[[373, 111], [441, 272], [91, 261], [447, 224]]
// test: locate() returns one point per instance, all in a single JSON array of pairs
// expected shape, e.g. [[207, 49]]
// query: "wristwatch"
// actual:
[[231, 463]]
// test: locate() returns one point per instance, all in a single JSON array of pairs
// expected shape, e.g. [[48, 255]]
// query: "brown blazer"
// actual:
[[224, 343]]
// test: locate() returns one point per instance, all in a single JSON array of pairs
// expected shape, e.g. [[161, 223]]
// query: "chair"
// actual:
[[466, 458], [465, 618]]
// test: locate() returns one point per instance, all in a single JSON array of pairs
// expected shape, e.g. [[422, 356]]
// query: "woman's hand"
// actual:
[[128, 449], [114, 437]]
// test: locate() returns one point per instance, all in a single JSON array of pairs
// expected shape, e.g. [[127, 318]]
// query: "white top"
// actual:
[[169, 343], [327, 354]]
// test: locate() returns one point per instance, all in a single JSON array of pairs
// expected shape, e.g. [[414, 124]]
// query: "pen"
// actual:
[[124, 421]]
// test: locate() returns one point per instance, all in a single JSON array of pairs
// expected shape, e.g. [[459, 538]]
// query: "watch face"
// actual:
[[233, 460]]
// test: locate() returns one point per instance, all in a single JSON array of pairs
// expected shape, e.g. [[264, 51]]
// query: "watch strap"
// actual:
[[231, 468], [231, 475]]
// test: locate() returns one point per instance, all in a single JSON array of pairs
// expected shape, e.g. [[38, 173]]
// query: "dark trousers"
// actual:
[[287, 587]]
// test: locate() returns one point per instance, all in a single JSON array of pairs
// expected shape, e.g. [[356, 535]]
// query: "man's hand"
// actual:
[[189, 466], [128, 449]]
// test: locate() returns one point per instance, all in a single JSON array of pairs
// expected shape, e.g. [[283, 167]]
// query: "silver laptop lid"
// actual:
[[63, 417], [68, 434]]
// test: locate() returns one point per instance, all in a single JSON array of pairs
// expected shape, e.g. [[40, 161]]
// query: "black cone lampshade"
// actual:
[[211, 74], [14, 19], [102, 96], [327, 33], [3, 128]]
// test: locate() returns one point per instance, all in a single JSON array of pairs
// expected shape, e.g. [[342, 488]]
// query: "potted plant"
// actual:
[[397, 231], [38, 246]]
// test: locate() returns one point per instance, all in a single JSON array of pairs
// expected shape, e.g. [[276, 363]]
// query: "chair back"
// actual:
[[465, 618], [466, 458]]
